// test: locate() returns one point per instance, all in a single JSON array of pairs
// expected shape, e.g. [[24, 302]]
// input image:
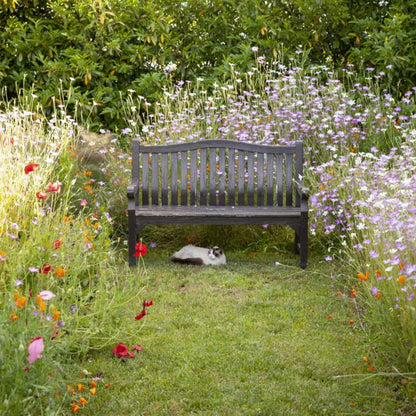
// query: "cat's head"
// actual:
[[215, 252]]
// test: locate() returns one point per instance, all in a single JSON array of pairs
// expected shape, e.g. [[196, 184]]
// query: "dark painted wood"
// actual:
[[212, 176], [221, 176], [203, 188], [265, 178], [174, 178], [165, 184], [184, 178], [231, 177]]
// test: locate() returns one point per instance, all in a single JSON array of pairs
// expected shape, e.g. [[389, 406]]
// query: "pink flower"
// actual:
[[83, 203], [46, 295], [35, 349]]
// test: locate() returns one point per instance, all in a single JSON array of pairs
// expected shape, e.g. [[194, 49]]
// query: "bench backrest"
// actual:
[[217, 172]]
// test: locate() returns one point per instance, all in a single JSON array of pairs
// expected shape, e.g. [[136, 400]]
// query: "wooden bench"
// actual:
[[218, 182]]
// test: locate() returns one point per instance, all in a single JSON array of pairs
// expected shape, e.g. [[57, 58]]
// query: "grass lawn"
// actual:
[[248, 338]]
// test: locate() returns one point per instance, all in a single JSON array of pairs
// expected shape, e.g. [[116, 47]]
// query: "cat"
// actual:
[[191, 254]]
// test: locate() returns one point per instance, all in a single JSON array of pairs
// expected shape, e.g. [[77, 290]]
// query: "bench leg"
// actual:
[[297, 244], [303, 241], [132, 238]]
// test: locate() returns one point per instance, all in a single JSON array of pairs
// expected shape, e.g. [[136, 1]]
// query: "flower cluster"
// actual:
[[121, 350]]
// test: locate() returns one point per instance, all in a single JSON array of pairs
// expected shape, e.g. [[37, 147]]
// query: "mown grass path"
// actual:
[[248, 338]]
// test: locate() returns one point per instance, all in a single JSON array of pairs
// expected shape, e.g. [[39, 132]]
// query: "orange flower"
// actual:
[[21, 301], [13, 317], [378, 272], [41, 303], [402, 279], [353, 294], [74, 408], [60, 272], [80, 387], [82, 401], [362, 276], [351, 322], [378, 295], [93, 390], [56, 315]]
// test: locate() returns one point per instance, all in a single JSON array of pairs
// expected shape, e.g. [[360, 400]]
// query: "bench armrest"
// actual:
[[133, 193], [302, 191]]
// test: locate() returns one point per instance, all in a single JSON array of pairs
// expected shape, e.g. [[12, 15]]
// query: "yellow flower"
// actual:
[[80, 387], [93, 390], [402, 279]]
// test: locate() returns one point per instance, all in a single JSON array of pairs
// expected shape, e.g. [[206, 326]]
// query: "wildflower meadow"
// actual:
[[66, 290]]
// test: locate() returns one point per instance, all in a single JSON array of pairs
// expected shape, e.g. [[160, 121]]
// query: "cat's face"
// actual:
[[215, 252]]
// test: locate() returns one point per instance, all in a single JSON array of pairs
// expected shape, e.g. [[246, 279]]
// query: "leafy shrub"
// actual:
[[97, 52]]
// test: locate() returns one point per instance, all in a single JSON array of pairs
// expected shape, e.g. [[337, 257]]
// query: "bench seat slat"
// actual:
[[212, 211]]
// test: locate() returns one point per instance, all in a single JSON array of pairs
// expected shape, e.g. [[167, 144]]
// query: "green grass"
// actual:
[[248, 338]]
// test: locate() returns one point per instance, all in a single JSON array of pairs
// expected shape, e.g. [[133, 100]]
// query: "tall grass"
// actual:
[[360, 167], [59, 282]]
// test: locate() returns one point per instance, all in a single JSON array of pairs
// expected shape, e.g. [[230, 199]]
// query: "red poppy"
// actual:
[[137, 347], [56, 244], [31, 167], [147, 303], [45, 269], [53, 187], [140, 315], [120, 350], [41, 195], [141, 250]]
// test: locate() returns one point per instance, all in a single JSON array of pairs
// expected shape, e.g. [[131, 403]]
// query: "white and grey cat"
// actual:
[[191, 254]]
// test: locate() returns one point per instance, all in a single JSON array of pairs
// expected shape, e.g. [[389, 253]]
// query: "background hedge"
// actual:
[[96, 51]]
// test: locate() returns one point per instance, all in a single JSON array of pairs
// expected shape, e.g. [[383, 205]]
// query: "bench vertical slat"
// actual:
[[184, 178], [165, 196], [221, 186], [289, 180], [174, 178], [231, 177], [260, 181], [155, 179], [250, 184], [241, 165], [135, 168], [212, 176], [145, 179], [203, 176], [193, 177], [269, 179], [279, 180], [299, 168]]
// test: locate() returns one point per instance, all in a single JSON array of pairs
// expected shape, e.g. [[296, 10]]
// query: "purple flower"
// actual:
[[152, 244]]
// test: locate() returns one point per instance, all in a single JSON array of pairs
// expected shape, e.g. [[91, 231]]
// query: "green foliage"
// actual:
[[98, 51]]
